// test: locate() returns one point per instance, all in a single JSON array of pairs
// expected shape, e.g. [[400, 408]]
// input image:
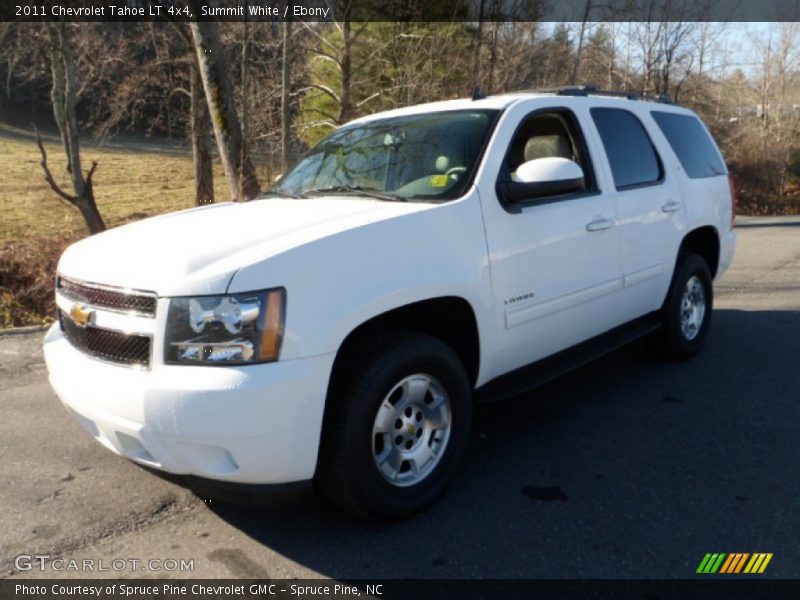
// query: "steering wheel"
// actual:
[[453, 171]]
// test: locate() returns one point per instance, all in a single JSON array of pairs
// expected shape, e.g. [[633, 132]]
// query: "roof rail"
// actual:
[[590, 90]]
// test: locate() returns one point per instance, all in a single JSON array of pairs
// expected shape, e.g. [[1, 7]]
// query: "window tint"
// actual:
[[693, 146], [629, 150]]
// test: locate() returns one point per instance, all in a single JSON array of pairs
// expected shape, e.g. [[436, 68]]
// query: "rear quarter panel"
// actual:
[[707, 201]]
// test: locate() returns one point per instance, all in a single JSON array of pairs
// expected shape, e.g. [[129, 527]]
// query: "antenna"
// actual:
[[477, 93]]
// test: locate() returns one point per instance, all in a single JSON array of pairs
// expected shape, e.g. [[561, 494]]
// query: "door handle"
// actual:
[[600, 225], [671, 207]]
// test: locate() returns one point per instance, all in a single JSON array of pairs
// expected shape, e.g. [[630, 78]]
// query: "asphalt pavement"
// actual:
[[628, 467]]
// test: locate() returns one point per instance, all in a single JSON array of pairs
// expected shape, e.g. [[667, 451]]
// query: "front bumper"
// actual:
[[257, 424]]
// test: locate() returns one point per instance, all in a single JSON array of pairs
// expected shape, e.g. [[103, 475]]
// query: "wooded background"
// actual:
[[245, 99]]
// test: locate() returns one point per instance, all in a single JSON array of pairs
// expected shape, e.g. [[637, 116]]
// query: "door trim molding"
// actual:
[[515, 318], [642, 275]]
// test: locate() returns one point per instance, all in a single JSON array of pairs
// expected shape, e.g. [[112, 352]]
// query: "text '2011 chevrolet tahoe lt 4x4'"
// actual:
[[339, 329]]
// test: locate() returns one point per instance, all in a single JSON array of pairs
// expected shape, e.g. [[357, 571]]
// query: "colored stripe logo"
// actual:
[[735, 562]]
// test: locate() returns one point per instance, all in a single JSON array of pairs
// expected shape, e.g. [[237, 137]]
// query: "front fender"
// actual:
[[336, 283]]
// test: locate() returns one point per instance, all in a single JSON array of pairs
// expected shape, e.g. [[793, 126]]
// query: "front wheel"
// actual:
[[397, 425], [686, 314]]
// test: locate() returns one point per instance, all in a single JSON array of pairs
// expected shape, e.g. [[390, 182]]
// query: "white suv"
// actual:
[[340, 329]]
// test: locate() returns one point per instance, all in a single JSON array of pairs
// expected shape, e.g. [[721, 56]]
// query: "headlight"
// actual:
[[236, 329]]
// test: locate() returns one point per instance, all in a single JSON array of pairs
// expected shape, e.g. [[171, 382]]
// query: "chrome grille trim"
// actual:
[[108, 297], [130, 350]]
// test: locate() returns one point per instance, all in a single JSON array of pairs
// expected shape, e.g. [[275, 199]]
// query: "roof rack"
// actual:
[[590, 90]]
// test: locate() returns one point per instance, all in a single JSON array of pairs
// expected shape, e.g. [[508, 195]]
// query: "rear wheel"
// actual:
[[686, 314], [397, 425]]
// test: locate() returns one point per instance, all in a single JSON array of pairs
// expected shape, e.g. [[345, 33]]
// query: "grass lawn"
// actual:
[[131, 182]]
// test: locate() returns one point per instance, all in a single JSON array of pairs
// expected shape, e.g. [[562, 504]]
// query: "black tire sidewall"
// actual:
[[371, 492], [680, 347]]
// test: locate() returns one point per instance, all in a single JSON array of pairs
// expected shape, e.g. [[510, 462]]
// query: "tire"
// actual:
[[686, 314], [379, 380]]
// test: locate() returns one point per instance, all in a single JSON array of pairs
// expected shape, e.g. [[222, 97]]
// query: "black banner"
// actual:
[[211, 589], [399, 10]]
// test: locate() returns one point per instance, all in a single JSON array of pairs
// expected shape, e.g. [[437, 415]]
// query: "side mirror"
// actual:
[[543, 177]]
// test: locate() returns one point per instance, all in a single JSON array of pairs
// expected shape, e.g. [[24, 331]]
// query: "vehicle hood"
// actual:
[[197, 251]]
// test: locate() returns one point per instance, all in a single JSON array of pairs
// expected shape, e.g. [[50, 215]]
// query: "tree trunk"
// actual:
[[577, 66], [236, 161], [64, 66], [245, 71], [765, 92], [476, 56], [701, 55], [57, 91], [346, 106], [201, 147], [286, 83], [612, 58], [5, 29], [493, 48]]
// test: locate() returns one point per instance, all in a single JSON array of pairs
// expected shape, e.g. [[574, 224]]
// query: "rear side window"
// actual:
[[630, 152], [692, 144]]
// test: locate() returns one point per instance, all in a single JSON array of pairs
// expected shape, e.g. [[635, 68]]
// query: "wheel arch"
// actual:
[[450, 319], [705, 242]]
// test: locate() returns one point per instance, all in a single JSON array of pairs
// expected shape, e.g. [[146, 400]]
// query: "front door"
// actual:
[[554, 261]]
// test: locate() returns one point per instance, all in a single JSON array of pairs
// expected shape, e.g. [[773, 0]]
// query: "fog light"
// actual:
[[236, 351], [190, 352], [243, 351]]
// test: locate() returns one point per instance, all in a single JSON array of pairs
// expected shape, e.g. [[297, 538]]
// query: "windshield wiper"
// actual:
[[281, 193], [358, 190]]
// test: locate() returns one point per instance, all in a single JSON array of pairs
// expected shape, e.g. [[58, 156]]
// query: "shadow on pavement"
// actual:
[[628, 467]]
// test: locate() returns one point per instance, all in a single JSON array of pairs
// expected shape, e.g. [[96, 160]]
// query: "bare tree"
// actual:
[[493, 45], [478, 44], [199, 124], [57, 94], [333, 45], [245, 79], [785, 115], [766, 53], [286, 84], [346, 104], [233, 152], [201, 140], [64, 97], [587, 9]]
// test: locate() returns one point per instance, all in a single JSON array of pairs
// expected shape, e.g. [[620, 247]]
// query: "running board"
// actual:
[[531, 376]]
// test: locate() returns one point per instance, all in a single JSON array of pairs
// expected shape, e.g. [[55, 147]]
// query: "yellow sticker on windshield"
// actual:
[[439, 181]]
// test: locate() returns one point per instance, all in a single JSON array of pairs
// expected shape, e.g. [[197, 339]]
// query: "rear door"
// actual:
[[650, 213], [701, 168], [554, 261]]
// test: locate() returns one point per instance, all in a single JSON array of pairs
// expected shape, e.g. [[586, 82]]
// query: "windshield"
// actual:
[[430, 156]]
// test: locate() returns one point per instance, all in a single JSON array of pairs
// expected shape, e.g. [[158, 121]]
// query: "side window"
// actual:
[[546, 134], [691, 143], [631, 155]]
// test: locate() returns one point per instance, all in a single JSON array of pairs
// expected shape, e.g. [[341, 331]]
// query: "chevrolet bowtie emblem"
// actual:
[[81, 315], [411, 429]]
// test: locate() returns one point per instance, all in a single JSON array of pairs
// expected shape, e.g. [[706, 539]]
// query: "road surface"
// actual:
[[629, 467]]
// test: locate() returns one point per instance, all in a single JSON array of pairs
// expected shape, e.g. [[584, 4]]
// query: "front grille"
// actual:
[[120, 348], [112, 299]]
